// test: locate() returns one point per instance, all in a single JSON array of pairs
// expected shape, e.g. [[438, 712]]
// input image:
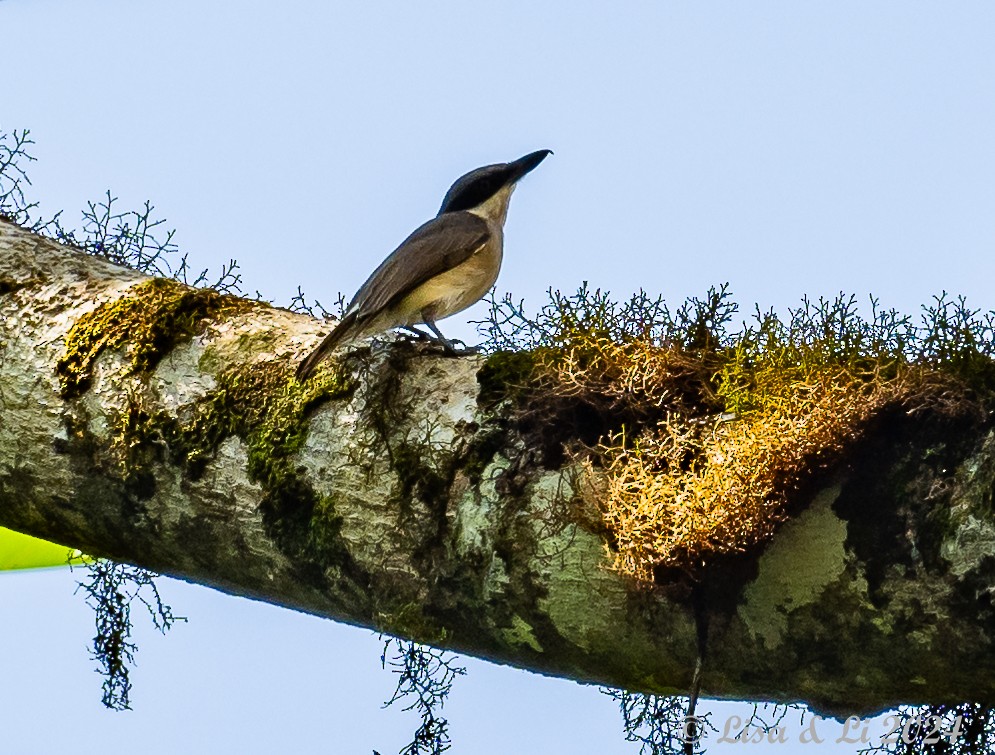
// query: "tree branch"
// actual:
[[160, 425]]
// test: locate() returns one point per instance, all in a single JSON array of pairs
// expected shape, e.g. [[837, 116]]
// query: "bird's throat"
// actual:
[[495, 209]]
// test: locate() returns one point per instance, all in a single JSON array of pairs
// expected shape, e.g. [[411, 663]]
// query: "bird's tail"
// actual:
[[342, 332]]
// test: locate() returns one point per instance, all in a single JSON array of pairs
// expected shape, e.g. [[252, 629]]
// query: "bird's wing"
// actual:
[[439, 245]]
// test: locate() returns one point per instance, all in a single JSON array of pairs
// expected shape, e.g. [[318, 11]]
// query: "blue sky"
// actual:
[[786, 148]]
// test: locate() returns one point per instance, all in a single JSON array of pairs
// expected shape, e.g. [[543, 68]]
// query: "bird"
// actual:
[[443, 267]]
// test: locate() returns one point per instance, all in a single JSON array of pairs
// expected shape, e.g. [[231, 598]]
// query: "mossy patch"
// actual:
[[151, 318], [710, 438], [505, 374], [900, 509], [410, 620], [264, 405], [420, 477]]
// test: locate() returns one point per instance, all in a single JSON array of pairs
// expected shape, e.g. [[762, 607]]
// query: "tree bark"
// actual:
[[154, 424]]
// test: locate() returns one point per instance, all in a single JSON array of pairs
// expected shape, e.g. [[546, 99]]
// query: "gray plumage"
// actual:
[[439, 245], [446, 265]]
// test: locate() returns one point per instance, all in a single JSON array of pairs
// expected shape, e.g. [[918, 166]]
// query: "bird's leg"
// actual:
[[446, 343], [419, 334]]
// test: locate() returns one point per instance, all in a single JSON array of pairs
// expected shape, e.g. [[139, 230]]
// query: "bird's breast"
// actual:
[[457, 288]]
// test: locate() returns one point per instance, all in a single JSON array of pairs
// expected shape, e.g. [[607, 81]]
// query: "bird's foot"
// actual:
[[448, 346], [413, 334], [463, 350], [446, 343]]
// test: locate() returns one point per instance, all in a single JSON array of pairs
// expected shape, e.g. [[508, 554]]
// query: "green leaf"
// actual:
[[19, 551]]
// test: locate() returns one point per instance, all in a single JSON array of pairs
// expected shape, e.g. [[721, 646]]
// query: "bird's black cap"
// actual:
[[479, 185]]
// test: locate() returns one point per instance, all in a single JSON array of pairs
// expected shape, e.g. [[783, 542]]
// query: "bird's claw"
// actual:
[[465, 351], [449, 344], [413, 334]]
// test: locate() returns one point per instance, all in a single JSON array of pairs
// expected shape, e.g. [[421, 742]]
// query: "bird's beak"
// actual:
[[523, 165]]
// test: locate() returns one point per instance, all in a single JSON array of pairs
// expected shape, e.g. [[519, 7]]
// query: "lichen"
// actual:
[[264, 405], [268, 408], [902, 509], [711, 439], [151, 318], [520, 633], [785, 580]]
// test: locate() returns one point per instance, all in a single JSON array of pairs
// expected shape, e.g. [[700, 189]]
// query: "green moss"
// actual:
[[136, 433], [481, 453], [422, 478], [211, 360], [151, 318], [264, 405], [300, 520], [504, 374], [409, 620], [259, 402]]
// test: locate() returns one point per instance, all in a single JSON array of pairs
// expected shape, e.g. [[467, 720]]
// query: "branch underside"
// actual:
[[153, 424]]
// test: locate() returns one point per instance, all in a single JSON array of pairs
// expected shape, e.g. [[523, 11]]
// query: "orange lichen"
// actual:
[[704, 437]]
